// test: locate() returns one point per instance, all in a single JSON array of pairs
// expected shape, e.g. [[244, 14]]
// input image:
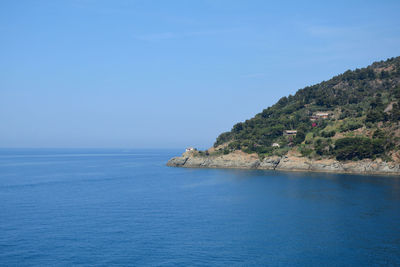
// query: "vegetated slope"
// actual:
[[354, 115]]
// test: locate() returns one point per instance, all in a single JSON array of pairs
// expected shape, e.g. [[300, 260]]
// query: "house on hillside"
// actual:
[[319, 115], [290, 132], [322, 115], [190, 149]]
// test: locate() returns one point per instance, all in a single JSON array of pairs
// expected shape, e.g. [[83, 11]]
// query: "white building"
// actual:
[[322, 115], [275, 145], [190, 149]]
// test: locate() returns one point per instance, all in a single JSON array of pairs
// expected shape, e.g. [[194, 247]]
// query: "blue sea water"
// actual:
[[126, 208]]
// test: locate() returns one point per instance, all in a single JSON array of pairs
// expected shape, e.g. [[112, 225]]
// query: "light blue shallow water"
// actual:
[[125, 207]]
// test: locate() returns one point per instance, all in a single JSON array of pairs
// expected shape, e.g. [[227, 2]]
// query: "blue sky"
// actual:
[[169, 74]]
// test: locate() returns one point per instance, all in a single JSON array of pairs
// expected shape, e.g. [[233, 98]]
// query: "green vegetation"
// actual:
[[350, 125], [351, 148], [364, 111]]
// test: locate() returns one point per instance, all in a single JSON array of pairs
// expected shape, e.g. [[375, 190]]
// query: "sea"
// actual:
[[122, 207]]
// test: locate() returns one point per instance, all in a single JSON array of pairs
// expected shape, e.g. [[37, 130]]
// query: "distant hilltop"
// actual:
[[352, 117]]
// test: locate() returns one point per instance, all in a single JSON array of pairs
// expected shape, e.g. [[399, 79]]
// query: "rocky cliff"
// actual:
[[241, 160]]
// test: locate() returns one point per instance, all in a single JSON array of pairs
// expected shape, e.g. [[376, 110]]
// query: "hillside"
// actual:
[[353, 116]]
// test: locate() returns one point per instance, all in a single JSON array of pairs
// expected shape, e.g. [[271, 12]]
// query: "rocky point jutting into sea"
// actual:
[[348, 124], [241, 160]]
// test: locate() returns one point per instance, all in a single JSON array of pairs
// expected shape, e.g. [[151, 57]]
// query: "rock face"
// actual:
[[241, 160]]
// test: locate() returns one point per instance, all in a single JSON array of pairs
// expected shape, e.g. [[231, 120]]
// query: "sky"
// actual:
[[171, 74]]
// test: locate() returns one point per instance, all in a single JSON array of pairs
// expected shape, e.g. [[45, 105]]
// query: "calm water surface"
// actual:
[[125, 207]]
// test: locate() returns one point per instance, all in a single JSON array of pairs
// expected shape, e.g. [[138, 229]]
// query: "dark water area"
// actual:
[[126, 208]]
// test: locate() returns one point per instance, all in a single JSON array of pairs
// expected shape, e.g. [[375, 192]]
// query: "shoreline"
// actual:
[[292, 170], [241, 160]]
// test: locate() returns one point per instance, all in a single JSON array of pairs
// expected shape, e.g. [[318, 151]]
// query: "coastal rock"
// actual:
[[241, 160], [327, 165], [237, 160], [372, 167], [293, 164], [177, 161], [270, 163]]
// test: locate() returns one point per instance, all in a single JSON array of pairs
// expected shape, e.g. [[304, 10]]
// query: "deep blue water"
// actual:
[[125, 207]]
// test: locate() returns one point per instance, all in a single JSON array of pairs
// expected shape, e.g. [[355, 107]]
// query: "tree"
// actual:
[[357, 148], [300, 136], [375, 116]]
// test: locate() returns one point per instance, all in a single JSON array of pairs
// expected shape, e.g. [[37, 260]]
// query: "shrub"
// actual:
[[349, 148], [322, 146], [375, 116], [328, 134], [350, 126], [305, 152], [300, 136], [234, 145]]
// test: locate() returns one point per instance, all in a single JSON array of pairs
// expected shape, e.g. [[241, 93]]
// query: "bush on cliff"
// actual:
[[350, 148]]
